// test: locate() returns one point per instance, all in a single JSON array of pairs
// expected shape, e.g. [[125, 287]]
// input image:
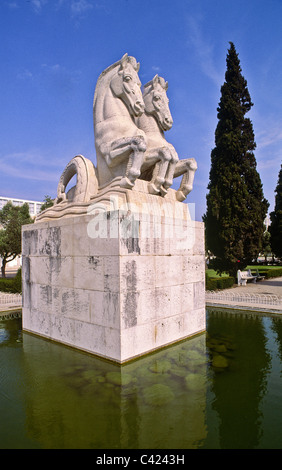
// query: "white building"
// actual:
[[267, 222], [34, 209], [34, 206]]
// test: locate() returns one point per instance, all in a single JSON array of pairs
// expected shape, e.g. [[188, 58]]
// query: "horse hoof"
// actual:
[[152, 189], [180, 196], [125, 183], [163, 191]]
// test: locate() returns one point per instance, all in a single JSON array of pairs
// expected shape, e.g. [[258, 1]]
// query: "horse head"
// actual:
[[126, 85], [156, 102]]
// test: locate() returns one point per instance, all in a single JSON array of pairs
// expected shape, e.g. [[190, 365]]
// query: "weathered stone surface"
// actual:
[[118, 295], [116, 267]]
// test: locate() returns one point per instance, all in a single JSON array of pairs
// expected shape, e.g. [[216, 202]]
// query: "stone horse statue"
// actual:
[[120, 145], [160, 158], [129, 137], [161, 163]]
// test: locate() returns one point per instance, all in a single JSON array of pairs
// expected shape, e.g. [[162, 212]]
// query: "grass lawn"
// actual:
[[215, 281], [213, 273], [261, 267]]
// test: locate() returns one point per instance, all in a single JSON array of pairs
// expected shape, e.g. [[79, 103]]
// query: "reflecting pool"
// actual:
[[221, 389]]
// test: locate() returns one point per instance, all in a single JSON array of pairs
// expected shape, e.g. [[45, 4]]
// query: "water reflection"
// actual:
[[221, 389], [78, 401], [276, 326], [238, 393], [10, 331]]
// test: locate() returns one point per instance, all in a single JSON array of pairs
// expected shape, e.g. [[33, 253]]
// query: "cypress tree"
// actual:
[[236, 207], [275, 228]]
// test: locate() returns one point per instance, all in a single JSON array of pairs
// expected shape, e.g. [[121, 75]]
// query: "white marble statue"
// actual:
[[129, 130], [161, 163], [86, 181], [120, 145], [160, 157]]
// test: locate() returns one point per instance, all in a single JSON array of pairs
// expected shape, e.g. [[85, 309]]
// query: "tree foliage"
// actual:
[[48, 202], [11, 220], [275, 228], [236, 207]]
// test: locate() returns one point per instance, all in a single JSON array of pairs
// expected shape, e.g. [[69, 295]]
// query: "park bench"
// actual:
[[259, 277], [244, 276]]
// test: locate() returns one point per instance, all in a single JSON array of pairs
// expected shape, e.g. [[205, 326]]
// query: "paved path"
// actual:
[[263, 296], [269, 286]]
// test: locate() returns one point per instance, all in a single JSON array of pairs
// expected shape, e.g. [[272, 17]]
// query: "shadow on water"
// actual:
[[220, 389]]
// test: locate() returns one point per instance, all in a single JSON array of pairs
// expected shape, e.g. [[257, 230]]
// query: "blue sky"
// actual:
[[52, 52]]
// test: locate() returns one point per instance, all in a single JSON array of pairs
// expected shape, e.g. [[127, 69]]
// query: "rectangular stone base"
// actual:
[[117, 283]]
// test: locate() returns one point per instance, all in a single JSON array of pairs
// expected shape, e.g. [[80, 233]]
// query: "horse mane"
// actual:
[[147, 88], [104, 81]]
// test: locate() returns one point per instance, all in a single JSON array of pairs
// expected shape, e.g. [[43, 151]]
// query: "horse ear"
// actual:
[[123, 60], [155, 80], [137, 66], [166, 86]]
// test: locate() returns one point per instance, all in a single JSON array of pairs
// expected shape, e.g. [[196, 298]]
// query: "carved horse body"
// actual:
[[161, 163], [120, 145], [129, 138], [160, 157]]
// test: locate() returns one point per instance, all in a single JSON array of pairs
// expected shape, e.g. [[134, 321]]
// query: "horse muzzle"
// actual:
[[138, 107], [167, 123]]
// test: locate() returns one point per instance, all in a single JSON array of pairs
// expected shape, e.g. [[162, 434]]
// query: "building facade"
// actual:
[[34, 206], [34, 209]]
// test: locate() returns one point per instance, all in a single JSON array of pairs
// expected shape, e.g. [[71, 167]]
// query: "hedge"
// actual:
[[215, 283], [12, 285], [275, 272], [6, 285]]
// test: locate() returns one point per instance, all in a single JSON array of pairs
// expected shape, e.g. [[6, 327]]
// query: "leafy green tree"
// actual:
[[48, 202], [11, 220], [236, 207], [275, 228]]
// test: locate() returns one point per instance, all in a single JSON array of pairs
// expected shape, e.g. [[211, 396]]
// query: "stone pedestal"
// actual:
[[118, 277]]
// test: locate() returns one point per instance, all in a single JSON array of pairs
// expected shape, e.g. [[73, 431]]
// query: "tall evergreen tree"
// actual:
[[236, 207], [275, 228]]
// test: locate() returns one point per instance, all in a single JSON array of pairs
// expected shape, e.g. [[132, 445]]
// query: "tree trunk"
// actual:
[[3, 268]]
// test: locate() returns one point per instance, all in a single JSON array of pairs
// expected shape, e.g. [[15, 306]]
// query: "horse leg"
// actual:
[[133, 169], [158, 179], [133, 149], [186, 168], [171, 170]]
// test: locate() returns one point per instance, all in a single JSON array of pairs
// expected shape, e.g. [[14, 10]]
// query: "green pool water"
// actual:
[[221, 389]]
